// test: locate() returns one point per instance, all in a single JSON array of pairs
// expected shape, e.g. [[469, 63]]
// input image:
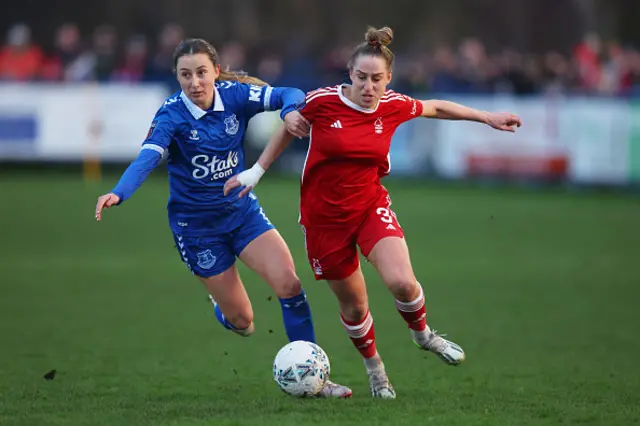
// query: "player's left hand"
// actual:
[[233, 183], [296, 124], [248, 178], [503, 121]]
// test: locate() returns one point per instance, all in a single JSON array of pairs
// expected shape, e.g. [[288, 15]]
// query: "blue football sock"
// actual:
[[222, 319], [296, 315]]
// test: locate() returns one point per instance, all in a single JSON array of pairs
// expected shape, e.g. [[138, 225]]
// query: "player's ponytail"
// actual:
[[241, 77], [192, 46], [375, 44]]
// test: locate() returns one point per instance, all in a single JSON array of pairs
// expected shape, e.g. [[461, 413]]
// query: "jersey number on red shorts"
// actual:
[[385, 214]]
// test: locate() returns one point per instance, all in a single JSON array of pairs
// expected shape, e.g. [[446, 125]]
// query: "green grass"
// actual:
[[540, 288]]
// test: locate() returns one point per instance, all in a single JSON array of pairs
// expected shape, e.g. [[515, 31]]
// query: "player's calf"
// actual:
[[414, 312], [362, 334], [242, 327]]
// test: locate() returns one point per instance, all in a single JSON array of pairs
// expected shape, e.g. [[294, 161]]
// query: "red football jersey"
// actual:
[[348, 154]]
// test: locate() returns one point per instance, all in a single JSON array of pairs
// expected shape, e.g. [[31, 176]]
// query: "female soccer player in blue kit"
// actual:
[[201, 131]]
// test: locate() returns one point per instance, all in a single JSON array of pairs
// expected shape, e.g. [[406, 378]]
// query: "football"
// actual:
[[301, 369]]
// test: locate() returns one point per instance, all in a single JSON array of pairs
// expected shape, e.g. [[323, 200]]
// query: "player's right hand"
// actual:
[[296, 124], [504, 121], [105, 202]]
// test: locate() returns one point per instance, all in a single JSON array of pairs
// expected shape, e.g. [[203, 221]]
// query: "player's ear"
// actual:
[[351, 76], [216, 71], [389, 76]]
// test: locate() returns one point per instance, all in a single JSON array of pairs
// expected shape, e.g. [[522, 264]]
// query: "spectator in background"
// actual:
[[512, 75], [160, 67], [104, 55], [270, 69], [333, 69], [474, 65], [587, 55], [410, 75], [134, 62], [69, 62], [300, 66], [631, 76], [20, 60], [445, 74], [617, 70], [556, 73], [592, 67], [233, 56], [532, 70]]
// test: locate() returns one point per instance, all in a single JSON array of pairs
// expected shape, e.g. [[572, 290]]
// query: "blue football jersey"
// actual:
[[203, 150]]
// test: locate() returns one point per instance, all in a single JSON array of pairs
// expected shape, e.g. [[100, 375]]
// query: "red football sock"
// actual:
[[414, 313], [362, 334]]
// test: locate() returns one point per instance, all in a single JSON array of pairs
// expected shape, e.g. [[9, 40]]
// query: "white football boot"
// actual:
[[379, 384], [334, 390], [449, 352]]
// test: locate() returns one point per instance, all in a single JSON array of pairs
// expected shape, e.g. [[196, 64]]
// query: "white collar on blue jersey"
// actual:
[[198, 112]]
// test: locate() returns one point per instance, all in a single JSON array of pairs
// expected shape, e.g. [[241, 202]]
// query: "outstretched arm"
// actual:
[[136, 173], [250, 178], [131, 180], [452, 111], [154, 146]]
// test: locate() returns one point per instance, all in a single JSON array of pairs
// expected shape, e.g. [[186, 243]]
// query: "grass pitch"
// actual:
[[541, 289]]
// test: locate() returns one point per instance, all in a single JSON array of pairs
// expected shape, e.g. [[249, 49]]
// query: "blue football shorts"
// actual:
[[211, 255]]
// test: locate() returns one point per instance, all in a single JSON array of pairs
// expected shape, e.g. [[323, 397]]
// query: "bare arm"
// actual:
[[451, 111], [446, 110], [278, 142], [250, 178]]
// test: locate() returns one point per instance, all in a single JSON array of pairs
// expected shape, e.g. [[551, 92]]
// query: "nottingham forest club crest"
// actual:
[[231, 124], [378, 125]]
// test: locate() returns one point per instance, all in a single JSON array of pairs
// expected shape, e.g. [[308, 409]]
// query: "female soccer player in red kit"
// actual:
[[343, 204]]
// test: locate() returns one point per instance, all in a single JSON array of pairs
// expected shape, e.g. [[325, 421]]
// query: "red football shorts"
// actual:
[[333, 252]]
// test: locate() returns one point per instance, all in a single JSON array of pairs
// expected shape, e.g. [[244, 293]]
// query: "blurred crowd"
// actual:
[[592, 67]]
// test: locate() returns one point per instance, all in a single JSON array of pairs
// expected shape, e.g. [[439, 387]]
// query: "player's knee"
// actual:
[[287, 284], [402, 286], [354, 312]]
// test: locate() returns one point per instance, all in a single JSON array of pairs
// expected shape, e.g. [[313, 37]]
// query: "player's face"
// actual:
[[196, 75], [369, 78]]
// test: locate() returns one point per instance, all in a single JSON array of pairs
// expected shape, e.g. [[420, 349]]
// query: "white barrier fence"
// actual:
[[70, 123], [583, 140]]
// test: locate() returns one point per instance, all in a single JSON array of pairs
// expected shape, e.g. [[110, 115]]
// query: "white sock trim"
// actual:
[[412, 306], [359, 330]]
